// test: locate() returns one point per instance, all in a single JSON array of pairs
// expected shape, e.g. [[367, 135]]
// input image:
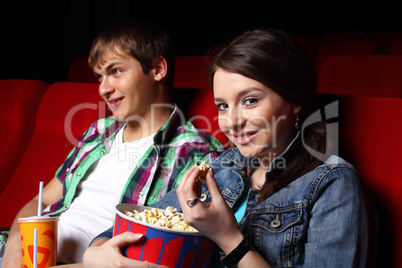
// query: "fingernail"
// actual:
[[139, 235]]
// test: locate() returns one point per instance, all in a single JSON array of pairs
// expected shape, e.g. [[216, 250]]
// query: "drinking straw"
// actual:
[[35, 255], [40, 199]]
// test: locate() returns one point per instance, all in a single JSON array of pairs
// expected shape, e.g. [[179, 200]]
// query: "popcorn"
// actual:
[[169, 218], [203, 167]]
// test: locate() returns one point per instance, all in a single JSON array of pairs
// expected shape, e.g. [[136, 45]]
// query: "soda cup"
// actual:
[[47, 240]]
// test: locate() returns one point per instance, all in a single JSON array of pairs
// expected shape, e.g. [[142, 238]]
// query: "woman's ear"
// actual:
[[297, 109], [160, 68]]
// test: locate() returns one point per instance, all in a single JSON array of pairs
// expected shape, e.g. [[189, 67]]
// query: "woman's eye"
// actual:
[[222, 106], [250, 101]]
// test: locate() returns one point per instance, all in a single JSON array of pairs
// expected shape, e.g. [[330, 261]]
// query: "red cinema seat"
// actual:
[[17, 116], [191, 72], [346, 36], [66, 111], [204, 115], [396, 47], [362, 75], [328, 49], [193, 95], [199, 108], [80, 72], [386, 37], [311, 45], [370, 138]]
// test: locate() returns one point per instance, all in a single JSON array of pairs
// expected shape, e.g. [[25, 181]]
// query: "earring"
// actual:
[[297, 122]]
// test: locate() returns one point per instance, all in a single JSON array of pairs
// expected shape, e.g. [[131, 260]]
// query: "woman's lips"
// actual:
[[243, 138]]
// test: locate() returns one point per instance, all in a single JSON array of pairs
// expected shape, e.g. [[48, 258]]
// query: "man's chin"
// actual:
[[120, 118]]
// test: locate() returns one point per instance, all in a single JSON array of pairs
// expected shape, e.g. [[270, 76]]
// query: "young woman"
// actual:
[[271, 202], [294, 208]]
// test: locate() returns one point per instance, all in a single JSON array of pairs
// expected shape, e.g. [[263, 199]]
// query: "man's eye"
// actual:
[[250, 101], [116, 71], [222, 106]]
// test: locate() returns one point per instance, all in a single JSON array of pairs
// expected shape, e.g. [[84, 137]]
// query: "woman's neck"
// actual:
[[267, 159], [257, 179]]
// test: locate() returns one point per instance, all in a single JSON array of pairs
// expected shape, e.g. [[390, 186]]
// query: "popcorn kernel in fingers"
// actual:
[[203, 167]]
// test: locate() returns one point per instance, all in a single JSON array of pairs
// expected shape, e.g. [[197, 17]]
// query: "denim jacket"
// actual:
[[318, 220]]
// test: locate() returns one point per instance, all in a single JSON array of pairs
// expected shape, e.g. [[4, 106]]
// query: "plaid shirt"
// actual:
[[177, 146]]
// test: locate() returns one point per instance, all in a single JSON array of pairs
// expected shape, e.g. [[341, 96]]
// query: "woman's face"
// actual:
[[253, 116]]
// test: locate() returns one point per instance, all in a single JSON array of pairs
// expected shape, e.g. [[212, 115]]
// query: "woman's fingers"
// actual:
[[189, 184], [187, 176]]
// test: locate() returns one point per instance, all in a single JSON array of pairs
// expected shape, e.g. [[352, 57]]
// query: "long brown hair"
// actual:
[[276, 60]]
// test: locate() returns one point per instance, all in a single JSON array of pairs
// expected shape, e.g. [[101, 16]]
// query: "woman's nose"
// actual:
[[236, 119]]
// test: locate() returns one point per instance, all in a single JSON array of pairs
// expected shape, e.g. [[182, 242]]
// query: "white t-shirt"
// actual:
[[93, 210]]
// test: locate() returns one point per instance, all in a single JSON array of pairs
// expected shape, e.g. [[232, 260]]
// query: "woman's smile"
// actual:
[[245, 137]]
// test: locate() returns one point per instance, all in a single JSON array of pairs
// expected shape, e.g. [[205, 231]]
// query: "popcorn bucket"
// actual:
[[162, 245]]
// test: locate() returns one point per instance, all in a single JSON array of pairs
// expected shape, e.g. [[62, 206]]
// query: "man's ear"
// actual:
[[160, 68]]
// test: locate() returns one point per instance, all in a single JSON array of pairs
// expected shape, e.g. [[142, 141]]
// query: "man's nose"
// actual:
[[105, 87]]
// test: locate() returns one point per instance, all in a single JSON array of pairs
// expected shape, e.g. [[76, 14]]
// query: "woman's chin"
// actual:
[[248, 151]]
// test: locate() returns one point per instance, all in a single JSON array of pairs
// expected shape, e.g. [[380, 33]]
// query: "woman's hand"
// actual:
[[215, 220], [109, 253]]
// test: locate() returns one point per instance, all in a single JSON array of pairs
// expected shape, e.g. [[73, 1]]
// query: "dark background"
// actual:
[[39, 40]]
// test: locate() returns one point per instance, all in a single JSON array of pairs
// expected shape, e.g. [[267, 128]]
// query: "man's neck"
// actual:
[[138, 129]]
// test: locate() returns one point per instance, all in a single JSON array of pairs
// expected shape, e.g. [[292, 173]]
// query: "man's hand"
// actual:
[[109, 253]]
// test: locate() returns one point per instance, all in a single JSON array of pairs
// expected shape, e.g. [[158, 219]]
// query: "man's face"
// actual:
[[125, 88]]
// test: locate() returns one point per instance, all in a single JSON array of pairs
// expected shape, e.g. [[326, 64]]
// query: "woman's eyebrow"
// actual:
[[241, 93], [218, 100], [248, 90]]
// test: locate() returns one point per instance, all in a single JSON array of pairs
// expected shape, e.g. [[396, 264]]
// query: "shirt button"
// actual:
[[203, 197], [68, 170], [140, 194], [257, 197], [103, 152], [276, 223], [79, 175]]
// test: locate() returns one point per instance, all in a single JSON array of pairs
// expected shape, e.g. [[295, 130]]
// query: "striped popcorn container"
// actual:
[[162, 245]]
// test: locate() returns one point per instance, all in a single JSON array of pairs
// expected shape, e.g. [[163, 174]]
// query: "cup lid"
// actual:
[[38, 219]]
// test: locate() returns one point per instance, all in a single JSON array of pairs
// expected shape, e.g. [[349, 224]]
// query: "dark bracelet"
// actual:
[[237, 254]]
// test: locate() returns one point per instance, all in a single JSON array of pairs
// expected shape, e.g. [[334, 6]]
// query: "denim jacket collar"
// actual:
[[283, 154]]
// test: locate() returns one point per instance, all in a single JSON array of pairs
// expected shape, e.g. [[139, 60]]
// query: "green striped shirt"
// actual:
[[177, 146]]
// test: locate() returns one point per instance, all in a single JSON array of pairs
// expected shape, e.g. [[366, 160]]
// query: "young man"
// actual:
[[136, 156]]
